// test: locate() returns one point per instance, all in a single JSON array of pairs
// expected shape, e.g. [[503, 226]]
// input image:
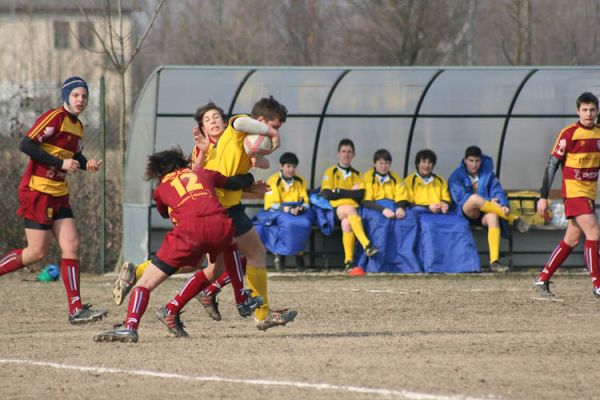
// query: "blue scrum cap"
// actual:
[[70, 84]]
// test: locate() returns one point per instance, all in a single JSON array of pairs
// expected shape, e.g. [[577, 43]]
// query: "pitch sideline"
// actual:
[[402, 394]]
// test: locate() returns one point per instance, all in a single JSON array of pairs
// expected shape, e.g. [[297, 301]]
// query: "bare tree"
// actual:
[[120, 47], [516, 43]]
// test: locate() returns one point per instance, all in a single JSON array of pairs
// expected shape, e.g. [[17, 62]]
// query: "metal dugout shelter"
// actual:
[[513, 114]]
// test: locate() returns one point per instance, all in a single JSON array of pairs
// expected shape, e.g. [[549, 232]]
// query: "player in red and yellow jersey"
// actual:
[[577, 150], [342, 186], [54, 146], [203, 226]]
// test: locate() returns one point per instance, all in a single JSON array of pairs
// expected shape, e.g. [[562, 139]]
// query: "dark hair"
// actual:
[[288, 158], [473, 151], [382, 154], [587, 98], [206, 108], [425, 154], [270, 109], [164, 162], [345, 142]]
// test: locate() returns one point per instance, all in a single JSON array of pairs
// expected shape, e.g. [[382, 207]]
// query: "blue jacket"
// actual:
[[488, 186]]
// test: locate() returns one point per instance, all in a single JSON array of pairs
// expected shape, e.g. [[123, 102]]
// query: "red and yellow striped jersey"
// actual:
[[578, 148], [59, 134]]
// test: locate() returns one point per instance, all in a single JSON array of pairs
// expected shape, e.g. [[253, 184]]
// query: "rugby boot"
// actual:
[[124, 283], [172, 322], [86, 315], [276, 318], [210, 304], [246, 308], [118, 335], [543, 288]]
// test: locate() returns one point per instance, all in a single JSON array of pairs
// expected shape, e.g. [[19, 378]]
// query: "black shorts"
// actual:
[[61, 214], [163, 266], [241, 222]]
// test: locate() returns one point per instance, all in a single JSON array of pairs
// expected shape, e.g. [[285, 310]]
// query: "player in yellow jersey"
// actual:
[[384, 211], [342, 186], [288, 194], [426, 189]]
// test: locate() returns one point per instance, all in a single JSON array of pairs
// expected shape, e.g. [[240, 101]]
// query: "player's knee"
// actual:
[[36, 254], [346, 227], [70, 246]]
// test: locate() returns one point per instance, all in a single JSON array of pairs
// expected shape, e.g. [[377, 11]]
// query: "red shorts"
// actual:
[[187, 243], [41, 207], [578, 206]]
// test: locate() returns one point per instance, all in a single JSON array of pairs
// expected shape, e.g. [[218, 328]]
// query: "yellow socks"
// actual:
[[257, 282], [348, 240], [357, 228], [140, 268], [491, 207], [494, 243]]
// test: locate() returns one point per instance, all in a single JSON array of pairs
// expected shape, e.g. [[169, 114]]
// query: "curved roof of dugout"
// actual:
[[512, 113]]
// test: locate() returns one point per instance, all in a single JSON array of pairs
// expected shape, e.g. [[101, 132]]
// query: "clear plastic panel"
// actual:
[[527, 146], [449, 137], [298, 137], [140, 140], [368, 135], [183, 90], [555, 91], [302, 91], [175, 132], [473, 91], [384, 91]]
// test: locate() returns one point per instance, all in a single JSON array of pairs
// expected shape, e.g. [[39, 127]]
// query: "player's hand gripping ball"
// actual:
[[257, 145]]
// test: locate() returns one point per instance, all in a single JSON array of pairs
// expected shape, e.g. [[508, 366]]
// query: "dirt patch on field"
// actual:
[[376, 337]]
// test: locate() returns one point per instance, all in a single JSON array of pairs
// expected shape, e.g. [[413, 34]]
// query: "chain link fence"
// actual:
[[90, 194]]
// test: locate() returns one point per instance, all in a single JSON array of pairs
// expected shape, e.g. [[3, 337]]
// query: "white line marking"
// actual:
[[403, 394], [547, 299]]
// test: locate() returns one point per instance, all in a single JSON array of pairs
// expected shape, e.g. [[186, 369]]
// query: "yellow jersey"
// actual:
[[379, 187], [281, 191], [336, 177], [429, 191], [228, 157]]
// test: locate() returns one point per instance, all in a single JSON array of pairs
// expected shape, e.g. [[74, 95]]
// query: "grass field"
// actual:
[[433, 337]]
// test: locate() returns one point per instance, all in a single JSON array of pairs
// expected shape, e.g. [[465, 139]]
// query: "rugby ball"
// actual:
[[257, 145]]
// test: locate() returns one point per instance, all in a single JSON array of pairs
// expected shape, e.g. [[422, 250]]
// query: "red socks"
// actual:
[[558, 256], [590, 252], [11, 262], [233, 267], [69, 270], [138, 302], [191, 288]]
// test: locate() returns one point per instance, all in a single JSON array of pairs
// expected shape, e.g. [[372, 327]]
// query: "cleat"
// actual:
[[371, 250], [357, 271], [278, 263], [86, 315], [124, 283], [246, 308], [210, 304], [172, 322], [276, 318], [347, 266], [498, 268], [543, 288], [300, 265], [521, 225], [596, 292], [118, 335]]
